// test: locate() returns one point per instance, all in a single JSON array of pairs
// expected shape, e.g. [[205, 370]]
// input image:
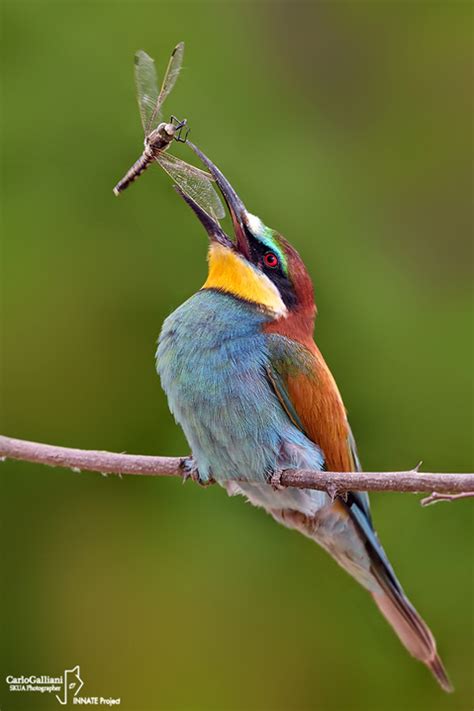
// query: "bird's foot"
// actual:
[[334, 493], [191, 471], [275, 480]]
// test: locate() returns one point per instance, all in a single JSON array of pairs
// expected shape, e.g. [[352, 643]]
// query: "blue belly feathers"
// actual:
[[211, 359]]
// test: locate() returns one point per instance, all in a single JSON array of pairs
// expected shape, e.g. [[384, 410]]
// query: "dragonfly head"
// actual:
[[258, 265], [168, 130]]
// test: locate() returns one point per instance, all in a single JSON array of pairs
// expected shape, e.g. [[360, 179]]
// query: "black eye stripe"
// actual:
[[258, 251]]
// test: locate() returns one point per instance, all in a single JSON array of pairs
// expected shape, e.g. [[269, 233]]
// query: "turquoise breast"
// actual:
[[211, 358]]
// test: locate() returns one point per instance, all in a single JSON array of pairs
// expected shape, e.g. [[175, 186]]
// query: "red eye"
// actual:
[[270, 260]]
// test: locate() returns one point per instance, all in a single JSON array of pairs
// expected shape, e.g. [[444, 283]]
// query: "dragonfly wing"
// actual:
[[147, 89], [172, 72], [194, 182]]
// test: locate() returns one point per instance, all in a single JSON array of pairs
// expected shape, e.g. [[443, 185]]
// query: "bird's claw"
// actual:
[[334, 493], [191, 471], [275, 481]]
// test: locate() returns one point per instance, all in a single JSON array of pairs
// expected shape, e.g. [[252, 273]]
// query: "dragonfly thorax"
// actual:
[[161, 136]]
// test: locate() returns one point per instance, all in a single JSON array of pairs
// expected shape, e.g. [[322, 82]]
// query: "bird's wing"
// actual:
[[309, 395]]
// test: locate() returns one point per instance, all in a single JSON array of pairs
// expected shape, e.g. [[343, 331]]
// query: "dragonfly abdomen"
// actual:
[[137, 169]]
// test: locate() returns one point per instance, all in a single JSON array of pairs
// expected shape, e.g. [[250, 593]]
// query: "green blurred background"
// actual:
[[347, 126]]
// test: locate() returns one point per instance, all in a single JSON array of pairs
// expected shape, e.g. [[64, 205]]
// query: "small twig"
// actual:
[[436, 496], [141, 465]]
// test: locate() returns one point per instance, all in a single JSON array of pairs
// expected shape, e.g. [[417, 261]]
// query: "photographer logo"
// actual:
[[65, 687]]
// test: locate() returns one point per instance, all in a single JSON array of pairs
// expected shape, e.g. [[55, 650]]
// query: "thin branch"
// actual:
[[436, 496], [142, 465]]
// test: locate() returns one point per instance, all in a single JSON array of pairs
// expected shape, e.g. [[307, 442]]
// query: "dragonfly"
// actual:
[[159, 135]]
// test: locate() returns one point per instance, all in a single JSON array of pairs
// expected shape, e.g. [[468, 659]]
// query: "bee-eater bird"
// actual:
[[253, 394]]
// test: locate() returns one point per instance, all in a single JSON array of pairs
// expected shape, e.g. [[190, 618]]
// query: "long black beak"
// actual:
[[236, 207], [212, 227]]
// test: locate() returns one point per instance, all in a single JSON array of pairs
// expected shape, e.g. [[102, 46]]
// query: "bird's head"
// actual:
[[259, 265]]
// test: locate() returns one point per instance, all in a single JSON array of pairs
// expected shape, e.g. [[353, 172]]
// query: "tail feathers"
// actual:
[[392, 602], [411, 629]]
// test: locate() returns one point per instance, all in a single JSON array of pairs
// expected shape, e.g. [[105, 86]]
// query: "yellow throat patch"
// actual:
[[231, 273]]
